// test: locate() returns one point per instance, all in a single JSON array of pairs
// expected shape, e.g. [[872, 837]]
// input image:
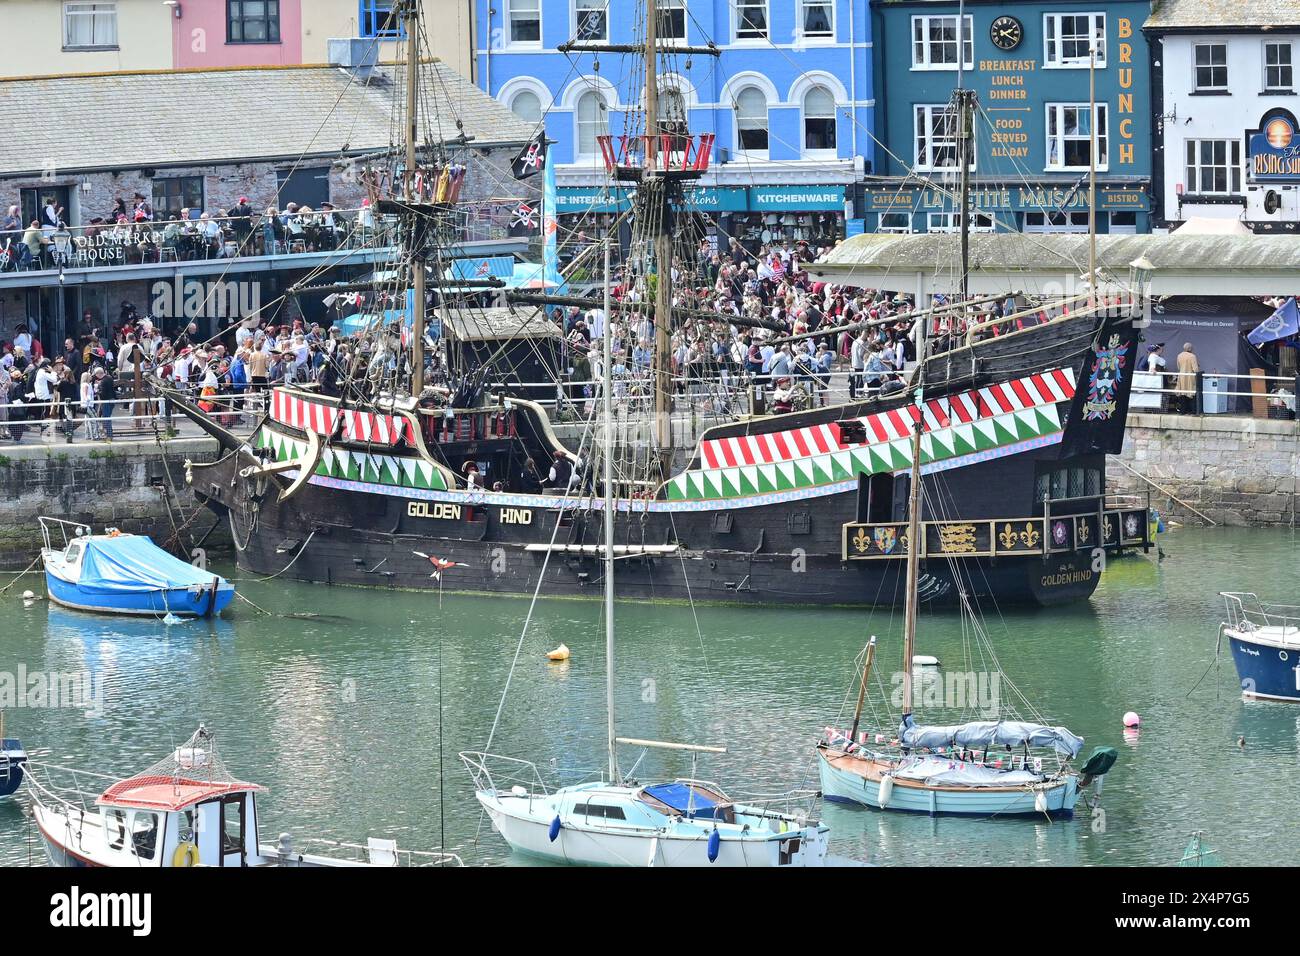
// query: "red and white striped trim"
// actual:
[[1046, 388], [322, 419]]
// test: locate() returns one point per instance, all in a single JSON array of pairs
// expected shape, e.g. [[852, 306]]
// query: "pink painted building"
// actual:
[[237, 33]]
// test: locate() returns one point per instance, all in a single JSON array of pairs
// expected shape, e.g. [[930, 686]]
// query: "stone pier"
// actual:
[[137, 487], [1236, 470]]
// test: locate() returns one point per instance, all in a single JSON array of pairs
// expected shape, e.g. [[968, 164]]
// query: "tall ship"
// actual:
[[391, 485]]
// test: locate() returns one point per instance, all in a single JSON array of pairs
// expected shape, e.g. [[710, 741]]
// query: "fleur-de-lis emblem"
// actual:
[[1008, 537], [1030, 535], [861, 542], [1082, 531], [1108, 528]]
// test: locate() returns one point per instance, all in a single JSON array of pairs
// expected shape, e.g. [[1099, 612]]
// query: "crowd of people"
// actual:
[[764, 319], [131, 234], [742, 321]]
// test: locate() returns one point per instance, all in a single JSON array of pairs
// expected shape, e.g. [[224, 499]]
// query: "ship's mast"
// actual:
[[964, 102], [914, 528], [608, 478], [1092, 167], [411, 23], [663, 249]]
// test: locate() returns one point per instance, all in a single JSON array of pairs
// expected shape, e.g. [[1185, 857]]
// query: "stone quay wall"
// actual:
[[122, 485], [1235, 470]]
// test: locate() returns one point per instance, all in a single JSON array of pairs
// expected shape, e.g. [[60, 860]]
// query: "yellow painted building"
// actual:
[[42, 37]]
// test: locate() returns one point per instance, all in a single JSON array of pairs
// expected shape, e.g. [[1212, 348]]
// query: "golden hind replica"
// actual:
[[810, 507]]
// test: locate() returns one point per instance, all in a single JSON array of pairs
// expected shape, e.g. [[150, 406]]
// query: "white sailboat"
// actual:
[[616, 822]]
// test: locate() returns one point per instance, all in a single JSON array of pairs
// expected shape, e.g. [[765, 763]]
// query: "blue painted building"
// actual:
[[790, 99], [1030, 64]]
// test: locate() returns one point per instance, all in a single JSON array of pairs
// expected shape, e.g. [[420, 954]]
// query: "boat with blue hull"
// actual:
[[12, 760], [115, 573], [1265, 644]]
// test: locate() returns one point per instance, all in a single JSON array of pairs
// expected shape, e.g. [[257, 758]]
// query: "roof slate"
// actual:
[[205, 117]]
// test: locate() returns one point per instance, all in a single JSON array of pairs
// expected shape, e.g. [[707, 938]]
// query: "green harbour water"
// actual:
[[353, 719]]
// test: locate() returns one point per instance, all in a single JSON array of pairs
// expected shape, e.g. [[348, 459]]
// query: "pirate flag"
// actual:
[[523, 219], [532, 159]]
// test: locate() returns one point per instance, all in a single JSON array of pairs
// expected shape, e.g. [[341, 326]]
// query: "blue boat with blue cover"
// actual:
[[115, 573]]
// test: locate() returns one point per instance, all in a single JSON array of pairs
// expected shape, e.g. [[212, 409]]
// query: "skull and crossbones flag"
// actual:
[[523, 220], [532, 159]]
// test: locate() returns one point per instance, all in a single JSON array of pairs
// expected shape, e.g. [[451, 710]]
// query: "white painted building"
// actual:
[[1225, 106]]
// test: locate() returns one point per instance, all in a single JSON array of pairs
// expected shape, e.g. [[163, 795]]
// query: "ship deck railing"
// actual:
[[1246, 612], [76, 791], [498, 774]]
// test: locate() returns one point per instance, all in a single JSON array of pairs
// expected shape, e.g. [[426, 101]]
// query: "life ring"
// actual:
[[186, 855]]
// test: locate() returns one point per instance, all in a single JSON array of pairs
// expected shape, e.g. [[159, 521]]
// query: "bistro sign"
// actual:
[[1013, 198]]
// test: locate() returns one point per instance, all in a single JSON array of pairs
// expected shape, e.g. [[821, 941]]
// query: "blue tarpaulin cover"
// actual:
[[132, 564], [683, 799]]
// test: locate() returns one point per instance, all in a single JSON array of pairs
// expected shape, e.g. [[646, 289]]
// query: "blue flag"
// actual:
[[1282, 324], [550, 227]]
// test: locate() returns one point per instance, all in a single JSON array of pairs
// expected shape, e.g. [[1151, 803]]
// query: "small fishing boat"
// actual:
[[12, 759], [186, 810], [1265, 644], [116, 573]]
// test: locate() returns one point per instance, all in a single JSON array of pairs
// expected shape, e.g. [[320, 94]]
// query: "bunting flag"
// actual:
[[532, 159]]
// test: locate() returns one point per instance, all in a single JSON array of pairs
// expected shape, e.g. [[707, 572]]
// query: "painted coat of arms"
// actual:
[[1103, 385]]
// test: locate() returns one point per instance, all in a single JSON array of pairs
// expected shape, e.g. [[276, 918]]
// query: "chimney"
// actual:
[[357, 55]]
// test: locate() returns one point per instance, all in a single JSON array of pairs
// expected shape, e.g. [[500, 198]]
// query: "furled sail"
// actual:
[[981, 734]]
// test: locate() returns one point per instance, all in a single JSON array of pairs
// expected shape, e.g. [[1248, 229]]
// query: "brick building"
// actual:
[[273, 135]]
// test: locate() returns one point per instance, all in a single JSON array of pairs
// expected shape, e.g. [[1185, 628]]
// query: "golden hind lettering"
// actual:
[[434, 509], [516, 516], [957, 538], [1066, 575], [860, 541]]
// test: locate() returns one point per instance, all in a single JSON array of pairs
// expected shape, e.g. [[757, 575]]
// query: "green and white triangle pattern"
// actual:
[[953, 442], [355, 465]]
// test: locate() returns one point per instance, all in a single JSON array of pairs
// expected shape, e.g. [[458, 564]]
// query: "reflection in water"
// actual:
[[346, 702]]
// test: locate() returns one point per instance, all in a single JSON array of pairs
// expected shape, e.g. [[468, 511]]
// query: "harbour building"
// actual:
[[1227, 143], [789, 99], [103, 36], [1034, 67]]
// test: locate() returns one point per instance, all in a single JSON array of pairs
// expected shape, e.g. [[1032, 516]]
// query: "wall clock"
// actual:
[[1006, 33]]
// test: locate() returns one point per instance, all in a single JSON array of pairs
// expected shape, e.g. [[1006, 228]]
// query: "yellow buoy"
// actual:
[[561, 653]]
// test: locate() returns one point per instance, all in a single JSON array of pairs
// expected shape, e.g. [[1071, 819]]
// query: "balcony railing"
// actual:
[[151, 243]]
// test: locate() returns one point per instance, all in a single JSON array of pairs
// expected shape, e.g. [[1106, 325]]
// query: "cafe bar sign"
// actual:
[[1275, 150], [1010, 198]]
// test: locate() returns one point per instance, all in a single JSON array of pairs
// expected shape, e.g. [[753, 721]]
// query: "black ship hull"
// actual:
[[806, 509]]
